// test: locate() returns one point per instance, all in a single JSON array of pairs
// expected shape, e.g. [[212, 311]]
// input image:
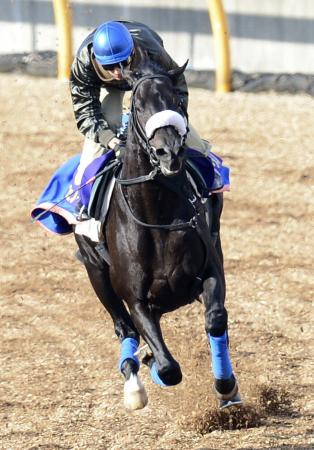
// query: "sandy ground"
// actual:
[[60, 387]]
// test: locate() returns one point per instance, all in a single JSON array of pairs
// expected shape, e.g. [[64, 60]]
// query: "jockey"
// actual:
[[97, 65]]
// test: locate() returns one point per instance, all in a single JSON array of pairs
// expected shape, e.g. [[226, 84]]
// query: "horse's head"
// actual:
[[158, 119]]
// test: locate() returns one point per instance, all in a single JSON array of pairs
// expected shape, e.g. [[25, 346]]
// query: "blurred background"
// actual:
[[270, 37]]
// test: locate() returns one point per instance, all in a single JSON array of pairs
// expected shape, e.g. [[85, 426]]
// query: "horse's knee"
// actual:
[[216, 321]]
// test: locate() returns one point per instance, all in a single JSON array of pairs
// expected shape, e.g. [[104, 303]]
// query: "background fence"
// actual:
[[266, 36]]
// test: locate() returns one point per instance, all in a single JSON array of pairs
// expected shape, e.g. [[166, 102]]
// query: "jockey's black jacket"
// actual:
[[87, 78]]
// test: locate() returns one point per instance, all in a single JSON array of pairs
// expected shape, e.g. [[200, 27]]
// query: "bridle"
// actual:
[[142, 138], [137, 126]]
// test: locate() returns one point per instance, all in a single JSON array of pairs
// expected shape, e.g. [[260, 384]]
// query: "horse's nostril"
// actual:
[[161, 152]]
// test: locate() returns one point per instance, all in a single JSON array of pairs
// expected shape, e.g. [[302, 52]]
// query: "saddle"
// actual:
[[98, 204]]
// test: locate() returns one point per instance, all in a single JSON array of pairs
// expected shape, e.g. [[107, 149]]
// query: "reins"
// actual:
[[180, 225], [129, 181]]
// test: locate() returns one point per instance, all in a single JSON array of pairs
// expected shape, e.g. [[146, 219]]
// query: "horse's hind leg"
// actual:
[[216, 322], [98, 271]]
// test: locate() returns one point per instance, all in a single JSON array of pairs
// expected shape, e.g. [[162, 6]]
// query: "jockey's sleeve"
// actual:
[[85, 91]]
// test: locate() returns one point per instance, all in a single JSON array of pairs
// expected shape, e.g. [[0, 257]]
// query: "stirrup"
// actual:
[[82, 215]]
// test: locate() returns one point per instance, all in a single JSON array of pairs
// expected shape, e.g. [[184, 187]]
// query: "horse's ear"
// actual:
[[175, 73]]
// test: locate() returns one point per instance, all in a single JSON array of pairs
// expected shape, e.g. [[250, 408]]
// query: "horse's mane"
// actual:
[[150, 67], [146, 67]]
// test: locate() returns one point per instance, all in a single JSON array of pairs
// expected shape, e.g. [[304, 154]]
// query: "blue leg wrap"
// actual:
[[155, 376], [128, 348], [221, 363]]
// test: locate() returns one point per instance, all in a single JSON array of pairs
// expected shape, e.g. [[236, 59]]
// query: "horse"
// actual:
[[163, 242]]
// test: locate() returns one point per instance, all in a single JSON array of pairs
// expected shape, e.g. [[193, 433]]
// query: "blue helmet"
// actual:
[[112, 43]]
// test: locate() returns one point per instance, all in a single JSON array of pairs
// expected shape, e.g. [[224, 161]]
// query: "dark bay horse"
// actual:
[[163, 242]]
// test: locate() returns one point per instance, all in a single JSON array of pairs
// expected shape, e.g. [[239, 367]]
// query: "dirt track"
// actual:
[[60, 387]]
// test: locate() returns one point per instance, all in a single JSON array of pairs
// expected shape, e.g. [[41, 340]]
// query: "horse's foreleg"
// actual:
[[216, 323], [98, 271], [215, 206], [135, 396], [165, 370]]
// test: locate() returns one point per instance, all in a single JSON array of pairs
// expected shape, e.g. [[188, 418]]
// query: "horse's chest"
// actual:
[[174, 273], [169, 292]]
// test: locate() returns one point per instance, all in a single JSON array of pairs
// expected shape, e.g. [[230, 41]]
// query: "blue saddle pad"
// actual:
[[209, 173], [61, 195]]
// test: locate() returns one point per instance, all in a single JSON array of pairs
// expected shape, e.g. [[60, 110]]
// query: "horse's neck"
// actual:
[[135, 162]]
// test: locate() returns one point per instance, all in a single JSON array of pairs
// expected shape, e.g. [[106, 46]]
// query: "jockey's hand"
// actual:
[[113, 142], [118, 146], [119, 150]]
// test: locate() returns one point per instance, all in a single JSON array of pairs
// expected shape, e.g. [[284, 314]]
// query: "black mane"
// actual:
[[146, 67]]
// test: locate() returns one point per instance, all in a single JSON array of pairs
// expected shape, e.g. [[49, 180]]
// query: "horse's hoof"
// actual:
[[235, 401], [135, 396], [231, 398]]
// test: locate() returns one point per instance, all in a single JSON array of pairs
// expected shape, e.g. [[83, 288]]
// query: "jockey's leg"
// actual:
[[91, 150], [216, 323], [215, 201], [165, 370], [214, 206], [111, 108], [194, 141]]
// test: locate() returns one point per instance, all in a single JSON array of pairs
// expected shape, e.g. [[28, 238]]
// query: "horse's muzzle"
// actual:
[[171, 163]]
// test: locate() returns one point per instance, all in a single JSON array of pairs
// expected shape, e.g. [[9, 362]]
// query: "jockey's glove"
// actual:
[[119, 150], [106, 137], [118, 146]]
